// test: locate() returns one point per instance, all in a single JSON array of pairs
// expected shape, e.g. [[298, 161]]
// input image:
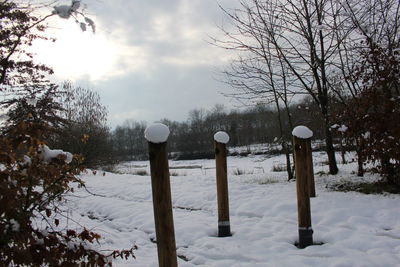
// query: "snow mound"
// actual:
[[302, 132], [157, 133], [221, 137]]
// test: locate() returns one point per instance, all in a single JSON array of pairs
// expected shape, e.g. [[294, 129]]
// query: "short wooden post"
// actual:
[[220, 140], [310, 169], [157, 135], [301, 135]]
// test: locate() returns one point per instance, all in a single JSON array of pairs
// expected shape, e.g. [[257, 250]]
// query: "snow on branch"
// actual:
[[49, 154], [72, 10]]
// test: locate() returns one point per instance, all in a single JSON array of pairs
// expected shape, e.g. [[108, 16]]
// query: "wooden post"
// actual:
[[301, 150], [224, 227], [310, 169], [162, 204]]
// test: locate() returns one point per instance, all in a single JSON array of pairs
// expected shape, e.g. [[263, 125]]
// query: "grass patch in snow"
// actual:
[[263, 181], [268, 181], [322, 163], [377, 187], [109, 168], [239, 171], [175, 173], [278, 168], [140, 172], [322, 173]]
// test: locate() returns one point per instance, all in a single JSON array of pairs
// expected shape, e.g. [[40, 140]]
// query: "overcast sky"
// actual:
[[148, 59]]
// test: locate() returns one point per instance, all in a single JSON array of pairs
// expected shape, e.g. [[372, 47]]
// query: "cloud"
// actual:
[[149, 59], [150, 34], [133, 114], [172, 94]]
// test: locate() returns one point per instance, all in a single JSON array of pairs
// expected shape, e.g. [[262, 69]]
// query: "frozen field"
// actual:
[[355, 229]]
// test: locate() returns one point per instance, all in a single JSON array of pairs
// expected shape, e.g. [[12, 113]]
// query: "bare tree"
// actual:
[[296, 34], [87, 132], [259, 75]]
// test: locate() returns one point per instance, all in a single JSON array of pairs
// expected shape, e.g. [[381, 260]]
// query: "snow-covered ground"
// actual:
[[355, 229]]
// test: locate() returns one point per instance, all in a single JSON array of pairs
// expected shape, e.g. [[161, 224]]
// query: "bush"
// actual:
[[373, 116], [33, 178], [33, 181]]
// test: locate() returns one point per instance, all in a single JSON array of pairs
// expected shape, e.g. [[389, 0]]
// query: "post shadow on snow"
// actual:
[[216, 233], [314, 244], [306, 239]]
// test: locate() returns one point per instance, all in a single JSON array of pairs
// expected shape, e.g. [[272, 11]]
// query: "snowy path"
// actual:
[[356, 229]]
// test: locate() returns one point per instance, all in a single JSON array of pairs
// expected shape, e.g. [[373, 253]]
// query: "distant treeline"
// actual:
[[193, 138]]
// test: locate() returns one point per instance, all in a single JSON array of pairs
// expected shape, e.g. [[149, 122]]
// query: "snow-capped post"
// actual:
[[303, 158], [220, 140], [157, 135]]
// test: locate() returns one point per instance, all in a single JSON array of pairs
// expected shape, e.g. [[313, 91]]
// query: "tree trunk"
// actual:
[[343, 151], [333, 169], [288, 163], [360, 160]]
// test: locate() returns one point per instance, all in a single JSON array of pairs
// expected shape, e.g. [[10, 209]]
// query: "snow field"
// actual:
[[356, 229]]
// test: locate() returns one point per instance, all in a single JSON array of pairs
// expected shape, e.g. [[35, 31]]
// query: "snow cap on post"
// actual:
[[156, 133], [302, 132], [221, 137]]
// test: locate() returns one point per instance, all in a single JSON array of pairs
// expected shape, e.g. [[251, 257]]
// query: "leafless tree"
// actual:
[[259, 74], [302, 36]]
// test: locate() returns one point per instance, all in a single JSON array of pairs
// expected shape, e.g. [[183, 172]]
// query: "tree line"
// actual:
[[193, 138]]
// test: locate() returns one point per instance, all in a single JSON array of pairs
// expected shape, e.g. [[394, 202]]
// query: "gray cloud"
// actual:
[[166, 65], [172, 94]]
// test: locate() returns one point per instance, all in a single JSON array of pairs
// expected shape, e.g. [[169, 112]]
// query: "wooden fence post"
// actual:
[[301, 137], [310, 169], [220, 140], [157, 135]]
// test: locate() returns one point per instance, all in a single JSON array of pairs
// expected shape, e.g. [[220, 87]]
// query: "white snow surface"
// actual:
[[355, 229], [302, 132], [221, 137], [157, 133]]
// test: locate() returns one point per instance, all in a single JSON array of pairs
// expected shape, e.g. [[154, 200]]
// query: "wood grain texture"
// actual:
[[302, 182], [162, 205], [310, 169], [222, 186]]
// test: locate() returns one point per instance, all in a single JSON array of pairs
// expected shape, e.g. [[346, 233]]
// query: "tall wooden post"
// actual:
[[301, 137], [161, 189], [224, 227], [310, 168]]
